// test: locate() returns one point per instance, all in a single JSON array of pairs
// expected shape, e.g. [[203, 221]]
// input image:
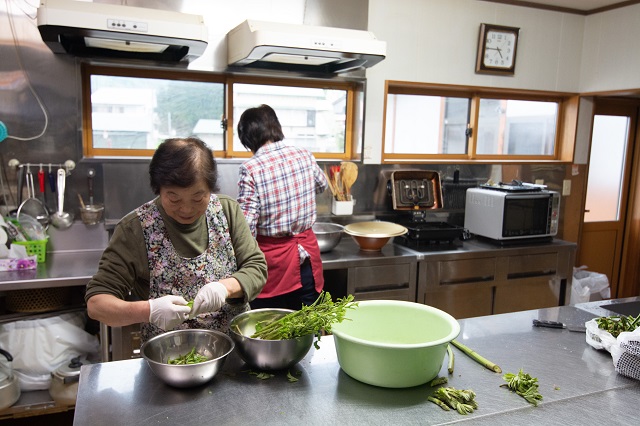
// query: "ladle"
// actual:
[[60, 218]]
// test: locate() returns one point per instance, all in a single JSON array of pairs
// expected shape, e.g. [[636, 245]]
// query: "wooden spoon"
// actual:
[[349, 172]]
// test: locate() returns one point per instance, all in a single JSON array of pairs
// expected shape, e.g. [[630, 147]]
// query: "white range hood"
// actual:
[[97, 29], [291, 47]]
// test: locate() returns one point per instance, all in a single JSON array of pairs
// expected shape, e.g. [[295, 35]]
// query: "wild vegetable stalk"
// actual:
[[617, 324], [463, 401], [476, 356], [451, 359], [524, 385], [311, 319]]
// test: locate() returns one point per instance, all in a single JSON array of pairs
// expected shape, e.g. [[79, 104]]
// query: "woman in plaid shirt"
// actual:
[[277, 194]]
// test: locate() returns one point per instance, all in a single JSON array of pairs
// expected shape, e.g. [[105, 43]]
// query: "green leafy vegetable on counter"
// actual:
[[461, 400], [191, 358], [451, 359], [438, 381], [617, 324], [311, 319], [291, 377], [260, 374], [524, 385]]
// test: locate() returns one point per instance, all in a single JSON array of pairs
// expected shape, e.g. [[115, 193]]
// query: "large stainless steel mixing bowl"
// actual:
[[267, 354], [328, 235], [212, 344]]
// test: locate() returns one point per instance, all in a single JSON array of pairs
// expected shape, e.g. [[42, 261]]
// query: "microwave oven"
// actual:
[[505, 215]]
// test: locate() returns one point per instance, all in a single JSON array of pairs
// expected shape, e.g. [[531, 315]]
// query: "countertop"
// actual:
[[72, 268], [578, 383]]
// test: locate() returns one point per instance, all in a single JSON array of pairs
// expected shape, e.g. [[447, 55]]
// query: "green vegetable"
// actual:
[[190, 304], [191, 358], [311, 319], [438, 381], [617, 324], [476, 357], [524, 385], [261, 375], [291, 377], [463, 401], [451, 359]]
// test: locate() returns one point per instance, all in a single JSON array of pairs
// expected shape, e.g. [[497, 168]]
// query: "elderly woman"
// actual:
[[188, 244]]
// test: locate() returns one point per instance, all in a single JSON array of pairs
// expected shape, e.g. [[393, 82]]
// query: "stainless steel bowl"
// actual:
[[212, 344], [328, 235], [267, 354]]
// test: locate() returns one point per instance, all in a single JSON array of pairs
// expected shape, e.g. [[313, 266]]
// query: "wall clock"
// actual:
[[497, 48]]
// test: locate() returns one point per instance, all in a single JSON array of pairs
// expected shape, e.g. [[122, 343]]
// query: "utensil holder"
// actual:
[[341, 208]]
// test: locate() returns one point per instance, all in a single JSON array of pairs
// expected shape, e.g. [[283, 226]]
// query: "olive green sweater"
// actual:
[[124, 269]]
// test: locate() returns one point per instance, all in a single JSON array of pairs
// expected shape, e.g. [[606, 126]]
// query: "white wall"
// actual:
[[436, 41], [611, 54]]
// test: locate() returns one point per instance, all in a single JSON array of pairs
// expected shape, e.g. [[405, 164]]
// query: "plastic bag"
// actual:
[[586, 284], [598, 338], [626, 354], [42, 345]]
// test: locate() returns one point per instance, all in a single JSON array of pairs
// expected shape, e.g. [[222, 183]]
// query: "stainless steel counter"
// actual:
[[578, 383], [61, 269]]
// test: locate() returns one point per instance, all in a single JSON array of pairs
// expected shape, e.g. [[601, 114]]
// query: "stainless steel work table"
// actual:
[[578, 383]]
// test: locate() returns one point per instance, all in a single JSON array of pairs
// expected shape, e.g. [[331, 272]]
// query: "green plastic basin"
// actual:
[[394, 344]]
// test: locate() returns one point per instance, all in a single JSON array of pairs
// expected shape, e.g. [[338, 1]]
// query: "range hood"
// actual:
[[97, 29], [292, 47]]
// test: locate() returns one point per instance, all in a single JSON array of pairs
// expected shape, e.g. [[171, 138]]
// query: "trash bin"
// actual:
[[588, 286]]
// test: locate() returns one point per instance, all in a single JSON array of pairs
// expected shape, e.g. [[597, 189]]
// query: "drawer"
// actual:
[[532, 265], [384, 276], [467, 270]]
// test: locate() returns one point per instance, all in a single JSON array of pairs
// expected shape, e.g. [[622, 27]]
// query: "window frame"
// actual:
[[565, 125], [352, 87]]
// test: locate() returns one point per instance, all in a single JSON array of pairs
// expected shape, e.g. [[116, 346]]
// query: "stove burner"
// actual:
[[432, 231]]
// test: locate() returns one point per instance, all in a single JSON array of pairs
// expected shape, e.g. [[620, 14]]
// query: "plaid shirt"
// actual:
[[277, 190]]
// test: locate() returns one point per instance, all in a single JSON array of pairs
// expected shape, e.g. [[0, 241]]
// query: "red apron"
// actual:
[[283, 262]]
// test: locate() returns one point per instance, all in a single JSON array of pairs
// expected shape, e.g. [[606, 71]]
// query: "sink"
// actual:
[[625, 308]]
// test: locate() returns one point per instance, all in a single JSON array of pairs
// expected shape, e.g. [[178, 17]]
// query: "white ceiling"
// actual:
[[579, 6]]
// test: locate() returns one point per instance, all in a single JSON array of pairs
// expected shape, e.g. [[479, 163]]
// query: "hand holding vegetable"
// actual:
[[168, 312], [210, 298]]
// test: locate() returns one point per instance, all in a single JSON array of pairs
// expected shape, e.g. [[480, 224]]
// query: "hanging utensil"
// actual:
[[60, 218], [32, 206], [91, 173], [42, 188], [349, 172]]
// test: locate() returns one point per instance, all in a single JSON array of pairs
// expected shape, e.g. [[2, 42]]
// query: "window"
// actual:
[[131, 113], [128, 112], [432, 123]]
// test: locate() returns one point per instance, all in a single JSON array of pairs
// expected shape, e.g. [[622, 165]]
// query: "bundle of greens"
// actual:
[[463, 401], [191, 358], [617, 324], [524, 385], [311, 319]]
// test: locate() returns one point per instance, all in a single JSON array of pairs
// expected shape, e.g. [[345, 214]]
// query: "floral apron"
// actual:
[[171, 274]]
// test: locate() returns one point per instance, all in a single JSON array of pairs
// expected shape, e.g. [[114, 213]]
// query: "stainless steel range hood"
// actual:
[[107, 30], [291, 47]]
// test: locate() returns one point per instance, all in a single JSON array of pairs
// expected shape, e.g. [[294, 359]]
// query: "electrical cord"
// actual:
[[22, 68]]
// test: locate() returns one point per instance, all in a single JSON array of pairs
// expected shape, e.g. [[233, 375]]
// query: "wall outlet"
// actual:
[[566, 187]]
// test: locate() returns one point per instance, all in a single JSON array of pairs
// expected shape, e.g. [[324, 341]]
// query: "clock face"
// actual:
[[499, 49]]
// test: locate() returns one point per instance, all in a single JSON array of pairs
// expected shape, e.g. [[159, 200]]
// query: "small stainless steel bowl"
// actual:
[[328, 235], [267, 354], [215, 345]]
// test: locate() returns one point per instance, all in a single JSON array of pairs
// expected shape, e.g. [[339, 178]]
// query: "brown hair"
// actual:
[[182, 162]]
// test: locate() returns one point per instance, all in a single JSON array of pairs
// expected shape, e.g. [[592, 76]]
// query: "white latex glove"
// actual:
[[167, 312], [210, 298]]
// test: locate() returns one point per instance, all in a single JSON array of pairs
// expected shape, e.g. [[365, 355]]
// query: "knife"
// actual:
[[557, 324]]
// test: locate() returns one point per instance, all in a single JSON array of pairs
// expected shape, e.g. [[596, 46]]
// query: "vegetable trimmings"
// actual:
[[524, 385]]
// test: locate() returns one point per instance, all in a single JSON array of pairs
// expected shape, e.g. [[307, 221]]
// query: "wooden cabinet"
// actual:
[[496, 280]]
